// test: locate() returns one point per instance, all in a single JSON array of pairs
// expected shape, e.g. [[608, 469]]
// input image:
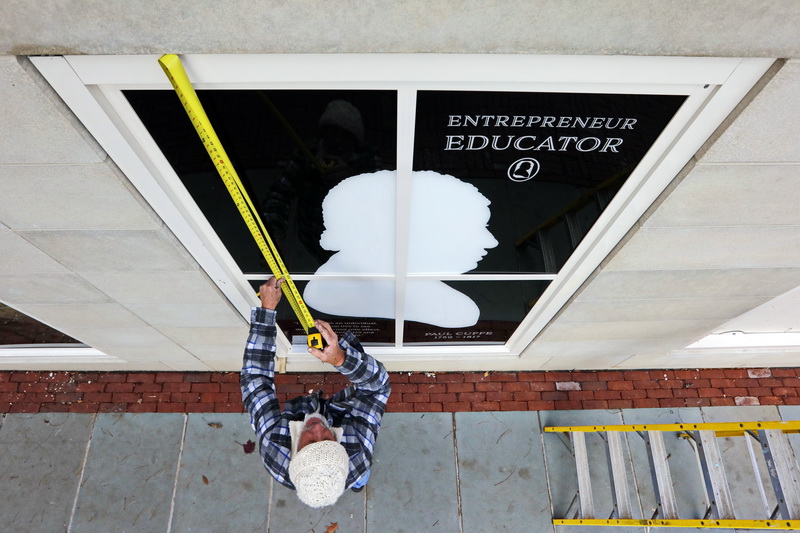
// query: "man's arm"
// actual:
[[258, 367], [364, 371], [360, 407], [258, 370]]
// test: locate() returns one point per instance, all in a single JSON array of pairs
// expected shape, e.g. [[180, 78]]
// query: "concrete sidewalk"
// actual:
[[439, 472]]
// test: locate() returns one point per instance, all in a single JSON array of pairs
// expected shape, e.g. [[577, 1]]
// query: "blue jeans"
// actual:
[[361, 482]]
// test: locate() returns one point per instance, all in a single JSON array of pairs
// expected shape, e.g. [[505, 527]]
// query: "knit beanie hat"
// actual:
[[344, 115], [319, 473]]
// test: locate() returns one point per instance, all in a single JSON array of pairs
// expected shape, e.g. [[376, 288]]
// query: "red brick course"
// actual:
[[192, 392]]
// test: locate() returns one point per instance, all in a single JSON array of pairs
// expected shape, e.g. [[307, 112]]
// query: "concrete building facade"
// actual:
[[713, 249]]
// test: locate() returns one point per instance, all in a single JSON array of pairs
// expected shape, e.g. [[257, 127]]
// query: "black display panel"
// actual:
[[548, 163], [502, 183], [502, 305]]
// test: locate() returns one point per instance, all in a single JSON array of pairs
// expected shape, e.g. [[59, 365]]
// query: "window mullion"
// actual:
[[406, 117]]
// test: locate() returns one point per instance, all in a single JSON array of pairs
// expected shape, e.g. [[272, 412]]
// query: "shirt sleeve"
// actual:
[[362, 404], [258, 372]]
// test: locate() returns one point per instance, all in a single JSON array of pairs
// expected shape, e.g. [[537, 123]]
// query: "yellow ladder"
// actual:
[[781, 508]]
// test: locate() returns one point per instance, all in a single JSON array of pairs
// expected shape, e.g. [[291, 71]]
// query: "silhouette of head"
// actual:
[[448, 225], [447, 235]]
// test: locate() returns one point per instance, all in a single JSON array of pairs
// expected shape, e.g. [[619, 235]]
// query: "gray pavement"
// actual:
[[438, 472]]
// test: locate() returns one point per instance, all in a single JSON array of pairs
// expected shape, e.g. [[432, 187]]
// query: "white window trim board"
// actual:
[[91, 86]]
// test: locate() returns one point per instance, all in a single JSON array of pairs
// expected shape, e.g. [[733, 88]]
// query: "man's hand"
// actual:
[[270, 293], [332, 353], [337, 170]]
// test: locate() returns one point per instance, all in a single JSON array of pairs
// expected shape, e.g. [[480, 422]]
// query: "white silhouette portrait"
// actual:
[[447, 235]]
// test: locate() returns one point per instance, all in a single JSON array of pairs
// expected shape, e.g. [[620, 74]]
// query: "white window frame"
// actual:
[[92, 87], [53, 353]]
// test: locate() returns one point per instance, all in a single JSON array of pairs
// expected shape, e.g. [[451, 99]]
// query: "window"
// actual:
[[437, 206]]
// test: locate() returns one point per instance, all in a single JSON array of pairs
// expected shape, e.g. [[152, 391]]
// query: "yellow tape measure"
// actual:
[[183, 87]]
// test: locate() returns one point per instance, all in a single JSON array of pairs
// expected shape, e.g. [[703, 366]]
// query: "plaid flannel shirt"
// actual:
[[357, 410]]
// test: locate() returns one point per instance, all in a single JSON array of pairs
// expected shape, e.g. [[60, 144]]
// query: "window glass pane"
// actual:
[[468, 312], [18, 328], [290, 148], [546, 163]]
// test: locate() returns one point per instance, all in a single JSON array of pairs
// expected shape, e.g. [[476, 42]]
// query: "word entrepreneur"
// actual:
[[549, 143]]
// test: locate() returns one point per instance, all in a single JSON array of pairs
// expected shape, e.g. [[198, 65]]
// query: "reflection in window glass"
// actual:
[[18, 328], [549, 163], [289, 148]]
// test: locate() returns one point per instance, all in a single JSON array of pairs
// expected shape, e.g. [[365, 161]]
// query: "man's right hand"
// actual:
[[270, 293], [331, 354]]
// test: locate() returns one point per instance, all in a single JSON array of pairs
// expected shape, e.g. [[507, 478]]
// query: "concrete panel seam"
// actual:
[[458, 475], [83, 470], [177, 474]]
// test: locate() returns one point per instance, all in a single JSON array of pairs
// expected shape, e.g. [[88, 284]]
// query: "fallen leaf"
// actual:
[[215, 425], [205, 480], [249, 446], [332, 528]]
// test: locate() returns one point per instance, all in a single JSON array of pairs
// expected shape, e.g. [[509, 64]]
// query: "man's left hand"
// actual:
[[270, 293]]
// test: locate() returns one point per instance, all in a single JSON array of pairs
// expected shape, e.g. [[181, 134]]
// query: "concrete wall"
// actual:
[[81, 250]]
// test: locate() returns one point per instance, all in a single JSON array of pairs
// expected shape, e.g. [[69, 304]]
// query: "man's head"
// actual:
[[342, 128], [315, 429], [320, 465]]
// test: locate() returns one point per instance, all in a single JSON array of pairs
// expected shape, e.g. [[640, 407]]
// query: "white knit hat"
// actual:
[[344, 115], [319, 473]]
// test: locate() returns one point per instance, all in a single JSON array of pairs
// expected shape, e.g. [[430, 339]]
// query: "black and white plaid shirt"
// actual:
[[357, 409]]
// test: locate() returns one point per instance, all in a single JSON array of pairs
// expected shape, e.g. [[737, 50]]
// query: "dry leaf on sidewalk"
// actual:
[[332, 528], [249, 446]]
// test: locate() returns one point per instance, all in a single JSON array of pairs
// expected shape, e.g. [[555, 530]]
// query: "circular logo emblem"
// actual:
[[523, 169]]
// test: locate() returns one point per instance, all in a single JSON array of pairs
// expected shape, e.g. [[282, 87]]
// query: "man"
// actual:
[[316, 447], [341, 148]]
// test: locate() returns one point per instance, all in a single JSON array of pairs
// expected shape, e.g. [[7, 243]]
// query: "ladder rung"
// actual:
[[574, 229], [757, 474], [785, 468], [665, 493], [584, 480], [714, 473], [546, 246], [619, 476]]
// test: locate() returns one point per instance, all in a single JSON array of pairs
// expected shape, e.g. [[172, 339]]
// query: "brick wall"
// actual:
[[188, 392]]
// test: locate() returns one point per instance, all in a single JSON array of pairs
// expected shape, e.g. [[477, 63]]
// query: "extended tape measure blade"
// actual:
[[173, 68]]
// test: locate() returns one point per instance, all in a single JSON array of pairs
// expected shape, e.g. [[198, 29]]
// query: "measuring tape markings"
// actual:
[[177, 76]]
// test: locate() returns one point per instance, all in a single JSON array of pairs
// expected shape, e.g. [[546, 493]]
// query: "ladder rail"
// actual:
[[548, 256], [732, 427]]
